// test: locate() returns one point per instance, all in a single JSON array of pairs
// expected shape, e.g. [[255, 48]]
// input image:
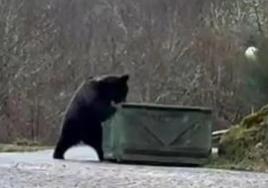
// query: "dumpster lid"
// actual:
[[166, 107]]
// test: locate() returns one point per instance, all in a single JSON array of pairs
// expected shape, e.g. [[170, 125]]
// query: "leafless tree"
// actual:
[[185, 52]]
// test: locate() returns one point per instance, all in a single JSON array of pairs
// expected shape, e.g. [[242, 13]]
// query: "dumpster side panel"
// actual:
[[158, 135]]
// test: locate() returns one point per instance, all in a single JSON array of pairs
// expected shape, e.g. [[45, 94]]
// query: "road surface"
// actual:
[[81, 169]]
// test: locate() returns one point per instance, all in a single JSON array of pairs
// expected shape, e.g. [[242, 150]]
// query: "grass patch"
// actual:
[[243, 165], [20, 148], [23, 145], [245, 145], [25, 142]]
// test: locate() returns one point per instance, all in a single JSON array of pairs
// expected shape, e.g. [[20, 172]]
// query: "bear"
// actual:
[[94, 102]]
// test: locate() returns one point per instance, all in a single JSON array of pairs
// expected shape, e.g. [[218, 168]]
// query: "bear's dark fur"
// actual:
[[89, 107]]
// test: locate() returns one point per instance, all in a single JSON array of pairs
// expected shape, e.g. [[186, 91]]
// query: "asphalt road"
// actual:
[[81, 169]]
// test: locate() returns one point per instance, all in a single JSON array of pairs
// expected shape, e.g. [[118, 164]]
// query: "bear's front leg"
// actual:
[[108, 113], [111, 110]]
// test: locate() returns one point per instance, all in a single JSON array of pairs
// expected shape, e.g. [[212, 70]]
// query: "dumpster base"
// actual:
[[133, 157]]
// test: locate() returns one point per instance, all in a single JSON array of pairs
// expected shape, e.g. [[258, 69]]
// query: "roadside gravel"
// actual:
[[37, 169]]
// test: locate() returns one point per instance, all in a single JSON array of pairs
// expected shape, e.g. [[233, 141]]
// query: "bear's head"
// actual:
[[113, 88]]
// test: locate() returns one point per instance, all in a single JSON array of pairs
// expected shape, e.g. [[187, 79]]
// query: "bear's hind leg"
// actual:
[[64, 143]]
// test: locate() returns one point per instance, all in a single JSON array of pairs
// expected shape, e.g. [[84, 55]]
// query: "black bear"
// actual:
[[91, 104]]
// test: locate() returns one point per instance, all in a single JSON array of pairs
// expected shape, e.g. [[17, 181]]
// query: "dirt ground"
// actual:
[[38, 169]]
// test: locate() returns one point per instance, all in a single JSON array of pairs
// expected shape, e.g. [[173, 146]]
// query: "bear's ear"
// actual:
[[124, 78]]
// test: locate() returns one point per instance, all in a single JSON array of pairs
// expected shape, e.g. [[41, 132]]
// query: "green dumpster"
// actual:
[[150, 133]]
